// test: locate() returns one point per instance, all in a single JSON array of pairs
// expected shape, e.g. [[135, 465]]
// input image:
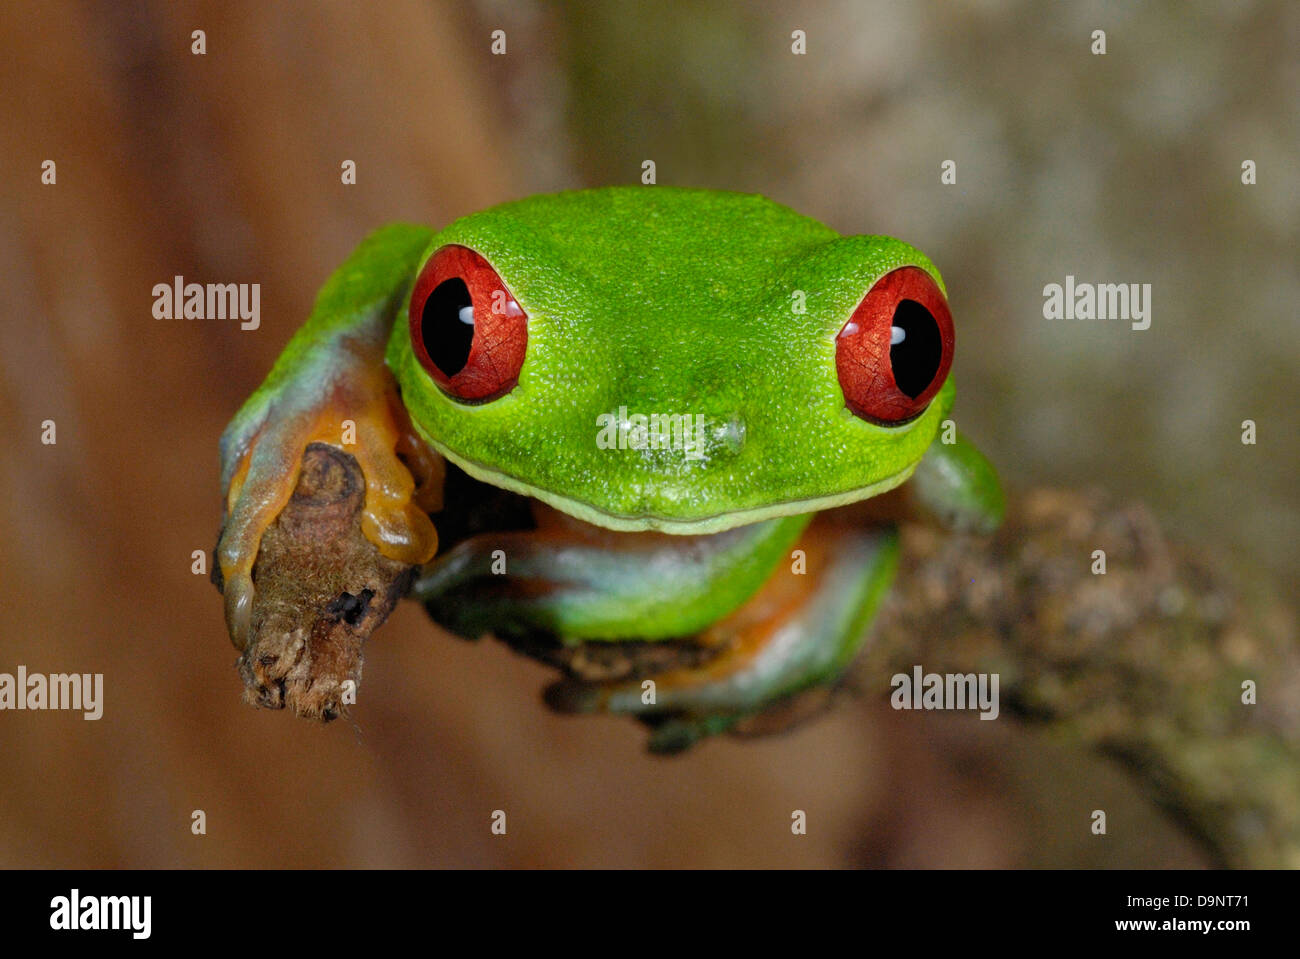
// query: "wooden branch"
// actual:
[[1145, 664], [322, 589]]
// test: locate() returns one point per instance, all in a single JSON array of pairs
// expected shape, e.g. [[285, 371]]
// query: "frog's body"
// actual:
[[678, 380]]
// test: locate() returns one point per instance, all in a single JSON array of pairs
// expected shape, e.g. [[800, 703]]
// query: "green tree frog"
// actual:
[[632, 400]]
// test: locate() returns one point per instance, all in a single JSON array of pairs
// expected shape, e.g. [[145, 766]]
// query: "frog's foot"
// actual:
[[799, 631], [344, 396]]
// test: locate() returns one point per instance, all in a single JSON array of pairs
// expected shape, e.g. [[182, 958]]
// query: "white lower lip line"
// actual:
[[650, 522]]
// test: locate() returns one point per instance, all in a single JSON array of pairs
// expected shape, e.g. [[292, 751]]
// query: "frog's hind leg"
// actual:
[[800, 630]]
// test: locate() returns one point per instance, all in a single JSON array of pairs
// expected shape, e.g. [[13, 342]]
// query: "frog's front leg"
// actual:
[[330, 386], [793, 616], [579, 582]]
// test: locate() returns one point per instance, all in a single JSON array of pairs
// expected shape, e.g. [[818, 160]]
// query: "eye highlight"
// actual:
[[894, 353], [467, 330]]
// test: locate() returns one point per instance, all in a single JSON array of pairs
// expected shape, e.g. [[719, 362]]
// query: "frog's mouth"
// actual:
[[473, 507], [501, 489], [495, 503]]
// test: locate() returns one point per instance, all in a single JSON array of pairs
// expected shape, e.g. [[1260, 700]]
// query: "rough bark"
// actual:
[[322, 589], [1145, 663]]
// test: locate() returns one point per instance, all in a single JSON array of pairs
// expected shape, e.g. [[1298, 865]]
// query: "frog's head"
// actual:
[[671, 359]]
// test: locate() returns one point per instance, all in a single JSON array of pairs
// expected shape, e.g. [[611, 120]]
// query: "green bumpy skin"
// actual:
[[649, 300]]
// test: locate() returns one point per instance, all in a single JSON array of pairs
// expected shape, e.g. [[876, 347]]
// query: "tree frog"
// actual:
[[624, 408]]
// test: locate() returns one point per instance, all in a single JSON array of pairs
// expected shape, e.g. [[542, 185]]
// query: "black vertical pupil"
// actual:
[[447, 340], [915, 359]]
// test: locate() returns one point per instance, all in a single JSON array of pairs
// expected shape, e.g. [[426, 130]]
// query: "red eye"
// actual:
[[466, 328], [894, 353]]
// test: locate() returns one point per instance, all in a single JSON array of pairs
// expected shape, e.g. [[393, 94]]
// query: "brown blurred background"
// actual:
[[226, 168]]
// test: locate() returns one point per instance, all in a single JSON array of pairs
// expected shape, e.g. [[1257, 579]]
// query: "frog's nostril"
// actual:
[[730, 435]]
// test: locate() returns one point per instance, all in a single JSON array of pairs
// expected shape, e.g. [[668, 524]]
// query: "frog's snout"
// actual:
[[729, 435], [672, 439]]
